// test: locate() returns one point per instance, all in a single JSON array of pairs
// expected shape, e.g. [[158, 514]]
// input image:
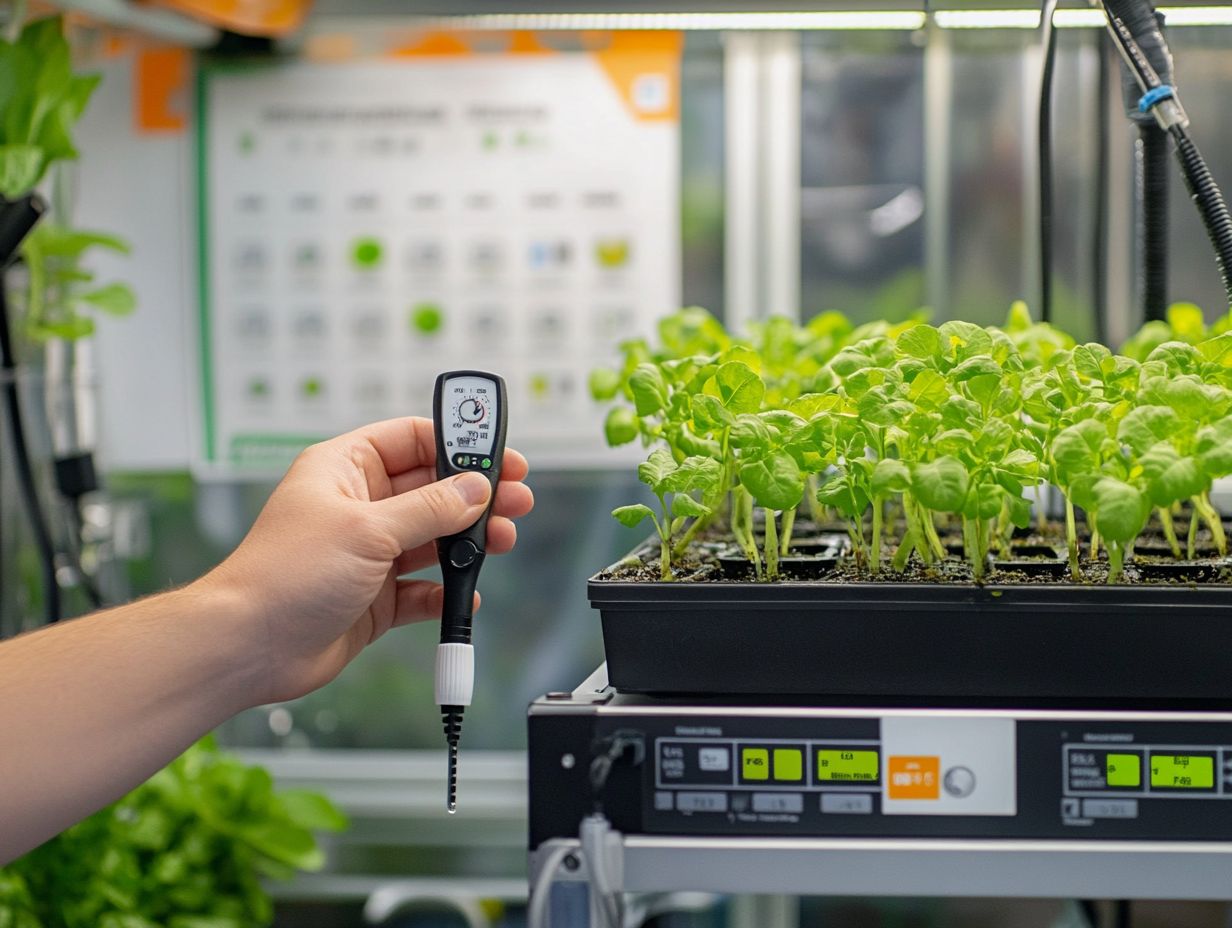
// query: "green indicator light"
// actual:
[[788, 764], [427, 318], [1182, 771], [487, 462], [838, 766], [755, 764], [1124, 770], [366, 253]]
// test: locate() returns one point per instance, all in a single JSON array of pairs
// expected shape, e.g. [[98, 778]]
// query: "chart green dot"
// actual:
[[366, 253], [427, 318], [312, 386]]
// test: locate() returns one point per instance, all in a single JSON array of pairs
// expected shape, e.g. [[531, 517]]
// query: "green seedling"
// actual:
[[672, 485]]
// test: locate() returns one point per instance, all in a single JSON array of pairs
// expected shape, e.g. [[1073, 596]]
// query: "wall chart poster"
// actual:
[[367, 224]]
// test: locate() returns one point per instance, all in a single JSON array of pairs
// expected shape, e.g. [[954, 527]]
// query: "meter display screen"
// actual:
[[841, 766], [1183, 771], [467, 414]]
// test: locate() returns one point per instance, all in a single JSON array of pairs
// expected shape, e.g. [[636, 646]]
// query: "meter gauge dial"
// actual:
[[470, 410]]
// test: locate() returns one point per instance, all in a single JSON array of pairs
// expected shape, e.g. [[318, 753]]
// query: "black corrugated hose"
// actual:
[[1206, 196], [1134, 25]]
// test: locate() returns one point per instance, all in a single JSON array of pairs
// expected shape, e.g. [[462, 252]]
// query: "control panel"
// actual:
[[946, 773]]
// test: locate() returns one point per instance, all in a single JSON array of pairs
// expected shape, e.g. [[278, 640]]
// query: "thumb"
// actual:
[[436, 509]]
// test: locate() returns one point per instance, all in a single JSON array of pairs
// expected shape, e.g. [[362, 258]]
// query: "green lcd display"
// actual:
[[839, 766], [1182, 771]]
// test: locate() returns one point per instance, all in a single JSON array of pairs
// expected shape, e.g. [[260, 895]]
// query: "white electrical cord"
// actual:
[[596, 835], [595, 832], [537, 911]]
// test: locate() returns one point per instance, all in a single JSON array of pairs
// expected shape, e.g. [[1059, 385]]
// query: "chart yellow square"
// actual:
[[788, 764], [1124, 770], [754, 764]]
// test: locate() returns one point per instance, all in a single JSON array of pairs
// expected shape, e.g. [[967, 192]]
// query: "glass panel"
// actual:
[[862, 175]]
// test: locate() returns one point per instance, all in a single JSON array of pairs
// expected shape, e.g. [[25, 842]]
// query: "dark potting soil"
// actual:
[[1036, 557]]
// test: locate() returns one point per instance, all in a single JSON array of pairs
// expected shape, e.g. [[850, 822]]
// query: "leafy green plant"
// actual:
[[40, 101], [675, 482], [59, 290], [187, 849], [902, 431]]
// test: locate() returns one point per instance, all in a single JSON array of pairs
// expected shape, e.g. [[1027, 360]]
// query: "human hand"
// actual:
[[318, 573]]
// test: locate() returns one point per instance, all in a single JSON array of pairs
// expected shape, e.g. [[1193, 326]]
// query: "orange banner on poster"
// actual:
[[642, 65], [160, 84]]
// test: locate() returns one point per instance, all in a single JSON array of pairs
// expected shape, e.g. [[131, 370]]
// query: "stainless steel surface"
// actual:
[[862, 867]]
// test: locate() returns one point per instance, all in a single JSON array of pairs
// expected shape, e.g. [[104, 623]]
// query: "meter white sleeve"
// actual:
[[455, 674]]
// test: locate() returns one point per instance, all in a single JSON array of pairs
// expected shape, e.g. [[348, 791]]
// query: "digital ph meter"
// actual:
[[469, 412]]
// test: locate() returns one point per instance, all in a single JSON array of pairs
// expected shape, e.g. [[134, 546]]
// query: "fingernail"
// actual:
[[473, 488]]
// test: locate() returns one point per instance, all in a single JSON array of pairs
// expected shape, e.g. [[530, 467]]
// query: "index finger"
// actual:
[[410, 442], [401, 444]]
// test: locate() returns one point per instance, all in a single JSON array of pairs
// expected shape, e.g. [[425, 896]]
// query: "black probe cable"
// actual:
[[21, 463], [1049, 40], [17, 218]]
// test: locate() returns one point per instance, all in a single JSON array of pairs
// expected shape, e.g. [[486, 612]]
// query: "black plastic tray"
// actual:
[[1053, 642]]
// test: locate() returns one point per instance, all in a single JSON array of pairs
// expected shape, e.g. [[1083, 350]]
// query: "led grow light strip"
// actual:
[[837, 20], [1074, 19]]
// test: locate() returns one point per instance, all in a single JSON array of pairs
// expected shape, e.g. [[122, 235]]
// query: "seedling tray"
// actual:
[[942, 643]]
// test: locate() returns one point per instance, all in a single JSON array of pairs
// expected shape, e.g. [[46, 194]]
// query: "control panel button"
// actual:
[[1123, 770], [789, 765], [693, 763], [847, 803], [701, 802], [663, 801], [959, 782], [791, 803], [1110, 808], [754, 764], [914, 777], [1095, 769]]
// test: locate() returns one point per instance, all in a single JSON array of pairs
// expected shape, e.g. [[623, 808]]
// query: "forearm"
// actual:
[[91, 708]]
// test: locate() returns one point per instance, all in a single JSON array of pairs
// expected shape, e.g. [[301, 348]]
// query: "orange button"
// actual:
[[914, 778]]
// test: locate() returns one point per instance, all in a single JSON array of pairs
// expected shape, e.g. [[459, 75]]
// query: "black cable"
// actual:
[[1049, 39], [1099, 223], [1151, 184], [1123, 913], [21, 463]]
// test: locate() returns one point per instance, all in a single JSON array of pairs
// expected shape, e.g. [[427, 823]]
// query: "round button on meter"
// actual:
[[462, 553], [959, 782]]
